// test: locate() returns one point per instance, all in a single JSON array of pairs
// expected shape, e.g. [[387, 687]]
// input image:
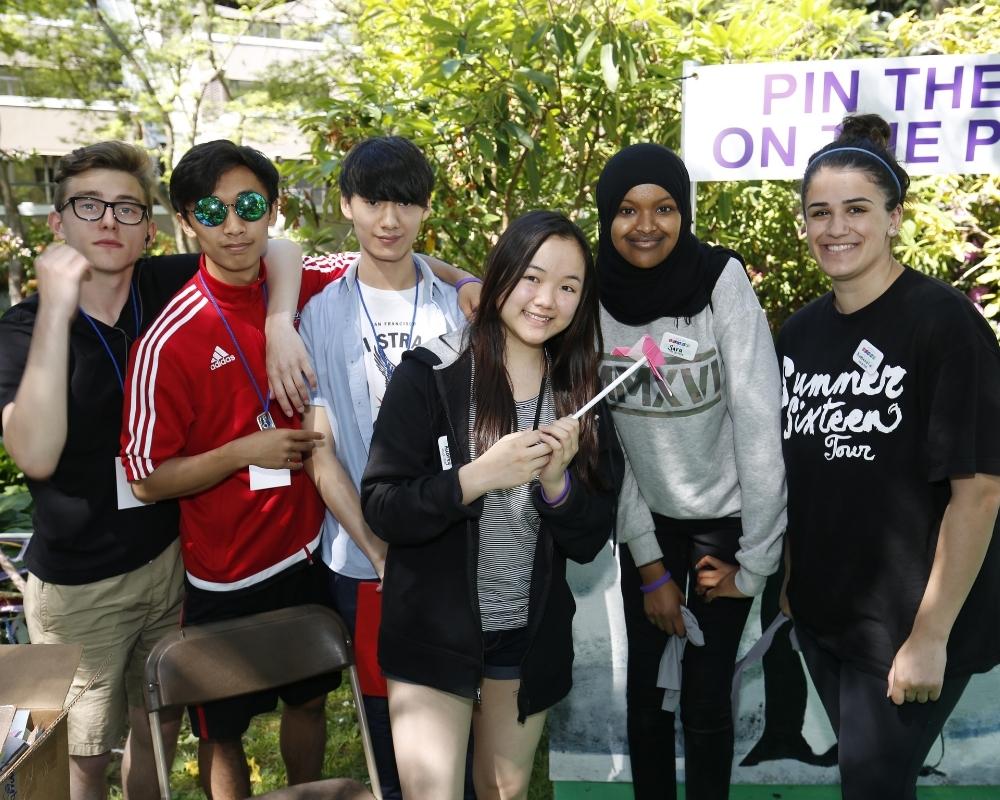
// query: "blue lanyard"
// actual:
[[264, 404], [107, 347], [380, 355]]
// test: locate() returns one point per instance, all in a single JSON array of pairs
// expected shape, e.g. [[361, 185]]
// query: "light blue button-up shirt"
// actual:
[[332, 334]]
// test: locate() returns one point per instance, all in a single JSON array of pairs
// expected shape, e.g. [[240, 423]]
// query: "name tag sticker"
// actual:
[[673, 344], [445, 452], [123, 489], [868, 356], [263, 478]]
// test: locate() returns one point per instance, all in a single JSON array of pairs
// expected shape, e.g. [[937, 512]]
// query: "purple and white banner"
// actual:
[[753, 121]]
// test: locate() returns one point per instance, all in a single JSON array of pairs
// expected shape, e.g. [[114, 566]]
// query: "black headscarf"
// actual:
[[679, 286]]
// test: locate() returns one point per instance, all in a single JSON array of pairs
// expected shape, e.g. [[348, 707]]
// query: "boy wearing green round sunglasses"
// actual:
[[202, 426]]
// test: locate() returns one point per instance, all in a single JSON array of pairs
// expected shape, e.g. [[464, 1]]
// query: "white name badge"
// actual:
[[123, 489], [867, 356], [445, 452], [263, 478], [673, 344]]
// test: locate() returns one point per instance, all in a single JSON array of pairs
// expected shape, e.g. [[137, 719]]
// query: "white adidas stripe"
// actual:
[[136, 410], [142, 413], [152, 365]]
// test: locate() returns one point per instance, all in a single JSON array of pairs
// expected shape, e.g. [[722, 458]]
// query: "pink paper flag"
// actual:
[[642, 352], [648, 348]]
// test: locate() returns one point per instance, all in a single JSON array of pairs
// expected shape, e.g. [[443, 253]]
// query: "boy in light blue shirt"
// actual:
[[356, 331]]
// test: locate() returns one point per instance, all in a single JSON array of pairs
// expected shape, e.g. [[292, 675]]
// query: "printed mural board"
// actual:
[[587, 730]]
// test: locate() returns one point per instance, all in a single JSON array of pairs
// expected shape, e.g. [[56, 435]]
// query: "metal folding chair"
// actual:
[[201, 663]]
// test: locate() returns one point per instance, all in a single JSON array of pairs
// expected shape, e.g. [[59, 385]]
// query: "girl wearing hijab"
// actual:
[[704, 516]]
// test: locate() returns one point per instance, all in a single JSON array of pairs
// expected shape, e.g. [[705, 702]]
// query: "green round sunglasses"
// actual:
[[211, 211]]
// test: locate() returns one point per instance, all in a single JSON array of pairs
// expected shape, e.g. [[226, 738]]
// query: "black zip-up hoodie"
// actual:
[[431, 630]]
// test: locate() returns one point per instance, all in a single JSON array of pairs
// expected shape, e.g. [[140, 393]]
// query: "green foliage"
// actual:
[[518, 105], [15, 509], [15, 502]]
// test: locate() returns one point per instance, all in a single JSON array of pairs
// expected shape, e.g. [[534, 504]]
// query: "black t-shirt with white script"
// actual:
[[879, 409], [80, 536]]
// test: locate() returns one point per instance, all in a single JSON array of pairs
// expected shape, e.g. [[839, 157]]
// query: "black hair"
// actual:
[[863, 144], [198, 172], [388, 168], [574, 351]]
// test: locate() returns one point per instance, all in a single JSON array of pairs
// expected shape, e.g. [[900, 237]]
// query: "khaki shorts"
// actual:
[[125, 616]]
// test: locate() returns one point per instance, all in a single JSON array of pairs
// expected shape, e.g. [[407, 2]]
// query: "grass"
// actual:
[[344, 756]]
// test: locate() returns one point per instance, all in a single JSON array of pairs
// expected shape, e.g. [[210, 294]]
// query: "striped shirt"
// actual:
[[508, 534]]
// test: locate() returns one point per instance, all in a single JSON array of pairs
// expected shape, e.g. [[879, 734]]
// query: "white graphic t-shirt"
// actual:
[[386, 332]]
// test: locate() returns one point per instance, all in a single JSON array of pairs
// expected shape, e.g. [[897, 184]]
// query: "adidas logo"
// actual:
[[220, 358]]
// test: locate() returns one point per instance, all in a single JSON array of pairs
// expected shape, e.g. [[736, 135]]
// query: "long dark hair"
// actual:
[[573, 352]]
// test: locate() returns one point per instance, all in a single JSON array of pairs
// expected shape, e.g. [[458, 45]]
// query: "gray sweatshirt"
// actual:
[[712, 448]]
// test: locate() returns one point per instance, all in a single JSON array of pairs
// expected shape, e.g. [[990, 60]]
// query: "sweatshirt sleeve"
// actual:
[[753, 396], [407, 495], [635, 521]]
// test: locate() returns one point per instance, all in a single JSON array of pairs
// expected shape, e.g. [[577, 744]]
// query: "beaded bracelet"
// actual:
[[470, 279], [646, 588], [562, 495]]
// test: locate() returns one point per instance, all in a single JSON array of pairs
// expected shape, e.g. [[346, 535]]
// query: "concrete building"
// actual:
[[206, 98]]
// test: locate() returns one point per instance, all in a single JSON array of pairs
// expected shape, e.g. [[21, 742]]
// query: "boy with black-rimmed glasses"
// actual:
[[103, 571]]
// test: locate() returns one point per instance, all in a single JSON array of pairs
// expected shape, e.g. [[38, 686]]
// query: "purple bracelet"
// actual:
[[562, 494], [646, 588], [470, 279]]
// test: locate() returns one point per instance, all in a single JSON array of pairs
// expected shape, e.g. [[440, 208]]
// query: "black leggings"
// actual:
[[882, 745], [707, 672]]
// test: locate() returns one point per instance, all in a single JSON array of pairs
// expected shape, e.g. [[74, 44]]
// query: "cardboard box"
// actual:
[[38, 677]]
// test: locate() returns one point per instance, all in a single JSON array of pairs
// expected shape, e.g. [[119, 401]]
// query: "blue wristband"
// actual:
[[646, 588]]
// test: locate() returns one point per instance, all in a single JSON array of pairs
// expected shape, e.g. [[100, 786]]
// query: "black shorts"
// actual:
[[300, 584], [503, 652]]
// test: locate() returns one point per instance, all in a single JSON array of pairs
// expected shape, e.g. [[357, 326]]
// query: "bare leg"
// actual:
[[223, 768], [303, 740], [430, 730], [138, 764], [505, 749], [88, 777]]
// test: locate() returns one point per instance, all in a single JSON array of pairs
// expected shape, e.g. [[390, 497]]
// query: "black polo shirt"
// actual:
[[80, 535]]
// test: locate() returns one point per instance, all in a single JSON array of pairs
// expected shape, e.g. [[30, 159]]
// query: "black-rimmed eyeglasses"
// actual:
[[91, 209]]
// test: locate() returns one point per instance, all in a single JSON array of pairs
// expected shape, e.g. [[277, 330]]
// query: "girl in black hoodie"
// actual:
[[483, 486]]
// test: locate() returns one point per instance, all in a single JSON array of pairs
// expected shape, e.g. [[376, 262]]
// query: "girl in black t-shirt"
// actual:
[[891, 392]]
